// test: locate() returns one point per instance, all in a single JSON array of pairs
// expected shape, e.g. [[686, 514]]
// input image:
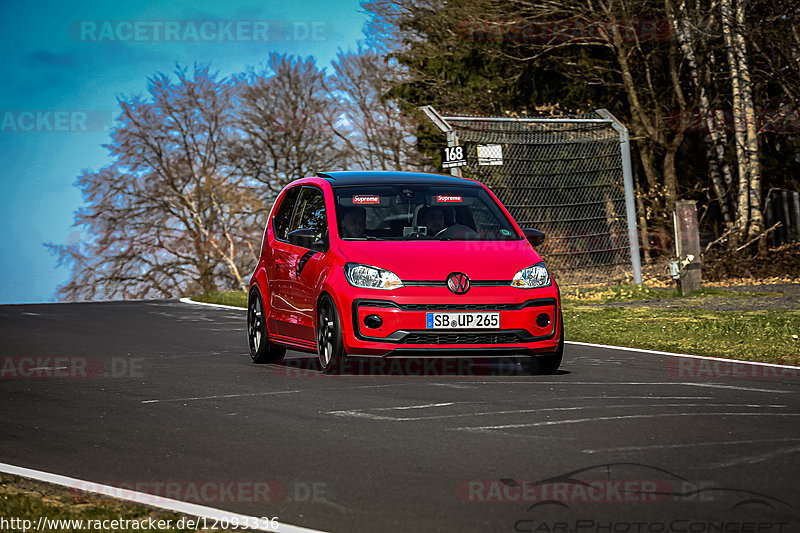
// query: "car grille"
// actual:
[[461, 338], [459, 307]]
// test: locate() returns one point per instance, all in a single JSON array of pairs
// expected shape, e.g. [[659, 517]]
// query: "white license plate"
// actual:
[[462, 320]]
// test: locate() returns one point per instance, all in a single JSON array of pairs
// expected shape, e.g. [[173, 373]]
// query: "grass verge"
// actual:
[[628, 293], [23, 502], [234, 298], [766, 336]]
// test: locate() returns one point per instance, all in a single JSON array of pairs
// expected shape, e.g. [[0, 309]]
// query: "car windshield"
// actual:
[[420, 212]]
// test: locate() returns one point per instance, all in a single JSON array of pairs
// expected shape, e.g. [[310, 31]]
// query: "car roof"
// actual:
[[393, 177]]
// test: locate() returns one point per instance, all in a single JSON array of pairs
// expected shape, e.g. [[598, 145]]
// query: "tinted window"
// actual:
[[310, 213], [395, 212], [283, 216]]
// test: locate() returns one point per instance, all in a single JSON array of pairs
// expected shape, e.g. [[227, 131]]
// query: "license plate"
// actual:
[[462, 320]]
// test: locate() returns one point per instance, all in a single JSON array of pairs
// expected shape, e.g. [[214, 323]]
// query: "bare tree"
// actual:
[[377, 134], [714, 137], [748, 220], [167, 217], [287, 124]]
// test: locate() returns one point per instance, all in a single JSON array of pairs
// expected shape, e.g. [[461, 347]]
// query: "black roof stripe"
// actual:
[[392, 177]]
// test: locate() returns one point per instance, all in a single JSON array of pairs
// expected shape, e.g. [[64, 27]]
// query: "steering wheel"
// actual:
[[458, 230]]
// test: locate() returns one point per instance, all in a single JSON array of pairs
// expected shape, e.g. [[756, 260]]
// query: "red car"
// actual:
[[394, 264]]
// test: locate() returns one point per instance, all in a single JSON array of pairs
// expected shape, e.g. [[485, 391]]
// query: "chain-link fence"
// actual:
[[783, 206], [567, 176]]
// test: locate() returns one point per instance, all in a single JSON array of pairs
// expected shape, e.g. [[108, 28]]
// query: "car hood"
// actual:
[[434, 260]]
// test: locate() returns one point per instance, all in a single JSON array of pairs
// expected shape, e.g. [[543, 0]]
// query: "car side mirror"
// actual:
[[534, 236], [307, 238]]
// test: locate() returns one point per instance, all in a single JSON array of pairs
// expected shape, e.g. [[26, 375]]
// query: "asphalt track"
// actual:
[[162, 397]]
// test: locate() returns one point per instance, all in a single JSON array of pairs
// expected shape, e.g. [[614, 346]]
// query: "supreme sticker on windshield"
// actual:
[[366, 199], [441, 198]]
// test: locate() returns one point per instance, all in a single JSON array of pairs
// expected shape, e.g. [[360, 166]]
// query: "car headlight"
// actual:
[[369, 277], [533, 277]]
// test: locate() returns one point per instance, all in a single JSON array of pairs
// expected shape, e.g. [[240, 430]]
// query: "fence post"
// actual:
[[452, 140], [796, 197], [630, 205], [787, 224], [444, 127], [687, 244]]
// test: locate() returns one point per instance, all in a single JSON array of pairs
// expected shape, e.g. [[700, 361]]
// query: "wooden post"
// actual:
[[687, 244]]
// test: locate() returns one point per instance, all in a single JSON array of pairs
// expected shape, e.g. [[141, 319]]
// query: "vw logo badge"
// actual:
[[458, 283]]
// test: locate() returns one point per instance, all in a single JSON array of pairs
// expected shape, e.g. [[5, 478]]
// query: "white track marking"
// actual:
[[641, 398], [363, 413], [143, 498], [404, 407], [692, 445], [632, 383], [734, 387], [369, 386], [753, 459], [605, 418], [188, 301], [671, 354], [222, 396]]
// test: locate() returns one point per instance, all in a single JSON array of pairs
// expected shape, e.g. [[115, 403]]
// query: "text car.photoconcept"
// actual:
[[400, 264]]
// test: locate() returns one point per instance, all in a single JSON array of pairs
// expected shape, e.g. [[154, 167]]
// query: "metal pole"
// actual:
[[787, 224], [630, 203], [436, 118], [796, 197], [452, 140], [532, 120], [439, 121]]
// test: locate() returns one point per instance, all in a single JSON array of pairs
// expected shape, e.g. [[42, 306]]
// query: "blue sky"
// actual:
[[67, 65]]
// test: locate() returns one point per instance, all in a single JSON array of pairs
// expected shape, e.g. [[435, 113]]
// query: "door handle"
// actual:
[[278, 263]]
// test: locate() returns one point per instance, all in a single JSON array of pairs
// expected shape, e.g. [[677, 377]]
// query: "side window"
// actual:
[[283, 216], [310, 213]]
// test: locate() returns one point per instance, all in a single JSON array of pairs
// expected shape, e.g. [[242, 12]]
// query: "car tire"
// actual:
[[330, 347], [546, 364], [261, 349]]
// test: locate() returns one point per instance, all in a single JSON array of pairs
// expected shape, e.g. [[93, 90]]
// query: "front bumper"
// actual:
[[404, 330]]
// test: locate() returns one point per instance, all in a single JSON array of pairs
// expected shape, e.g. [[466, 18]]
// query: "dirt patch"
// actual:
[[780, 266], [781, 263], [777, 272]]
